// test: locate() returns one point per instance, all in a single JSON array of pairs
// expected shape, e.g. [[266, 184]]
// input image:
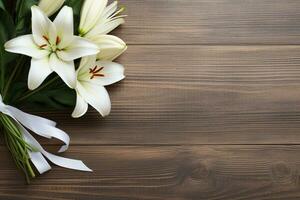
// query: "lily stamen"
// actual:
[[46, 38], [58, 40], [95, 72], [42, 46]]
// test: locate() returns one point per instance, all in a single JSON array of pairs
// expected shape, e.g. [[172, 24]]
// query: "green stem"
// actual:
[[30, 93], [17, 146], [29, 168], [2, 72], [2, 80], [11, 77]]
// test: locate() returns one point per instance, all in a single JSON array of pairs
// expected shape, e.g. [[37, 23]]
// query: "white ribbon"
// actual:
[[45, 128]]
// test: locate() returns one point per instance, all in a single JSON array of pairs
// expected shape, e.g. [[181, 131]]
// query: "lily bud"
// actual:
[[90, 14], [50, 6], [111, 46]]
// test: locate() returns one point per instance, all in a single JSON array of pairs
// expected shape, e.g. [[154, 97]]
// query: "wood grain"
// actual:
[[165, 173], [209, 110], [212, 22], [199, 95]]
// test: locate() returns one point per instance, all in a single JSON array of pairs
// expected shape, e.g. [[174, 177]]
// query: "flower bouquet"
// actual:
[[54, 53]]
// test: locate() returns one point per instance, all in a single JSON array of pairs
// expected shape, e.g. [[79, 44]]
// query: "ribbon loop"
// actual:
[[45, 128]]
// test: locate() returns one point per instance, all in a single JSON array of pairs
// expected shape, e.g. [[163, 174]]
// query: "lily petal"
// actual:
[[90, 14], [79, 47], [111, 46], [66, 70], [64, 27], [50, 7], [113, 72], [105, 28], [43, 29], [109, 10], [25, 45], [96, 96], [39, 71], [80, 108]]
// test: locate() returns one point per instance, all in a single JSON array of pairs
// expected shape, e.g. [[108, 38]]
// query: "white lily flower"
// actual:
[[50, 6], [97, 21], [92, 76], [52, 46]]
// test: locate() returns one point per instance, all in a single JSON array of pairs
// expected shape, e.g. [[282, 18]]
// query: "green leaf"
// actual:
[[24, 7], [23, 18], [56, 95], [7, 31], [2, 70], [2, 5], [7, 27], [53, 98]]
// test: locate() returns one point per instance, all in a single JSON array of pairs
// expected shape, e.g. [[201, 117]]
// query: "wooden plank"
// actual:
[[212, 22], [163, 173], [198, 95]]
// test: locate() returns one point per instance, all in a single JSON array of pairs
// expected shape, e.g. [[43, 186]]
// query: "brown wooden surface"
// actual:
[[212, 22], [210, 109], [170, 172]]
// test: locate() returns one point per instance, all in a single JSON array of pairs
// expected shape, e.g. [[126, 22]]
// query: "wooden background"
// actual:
[[210, 110]]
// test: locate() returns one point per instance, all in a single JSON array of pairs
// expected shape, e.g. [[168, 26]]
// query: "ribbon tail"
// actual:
[[67, 162], [41, 163]]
